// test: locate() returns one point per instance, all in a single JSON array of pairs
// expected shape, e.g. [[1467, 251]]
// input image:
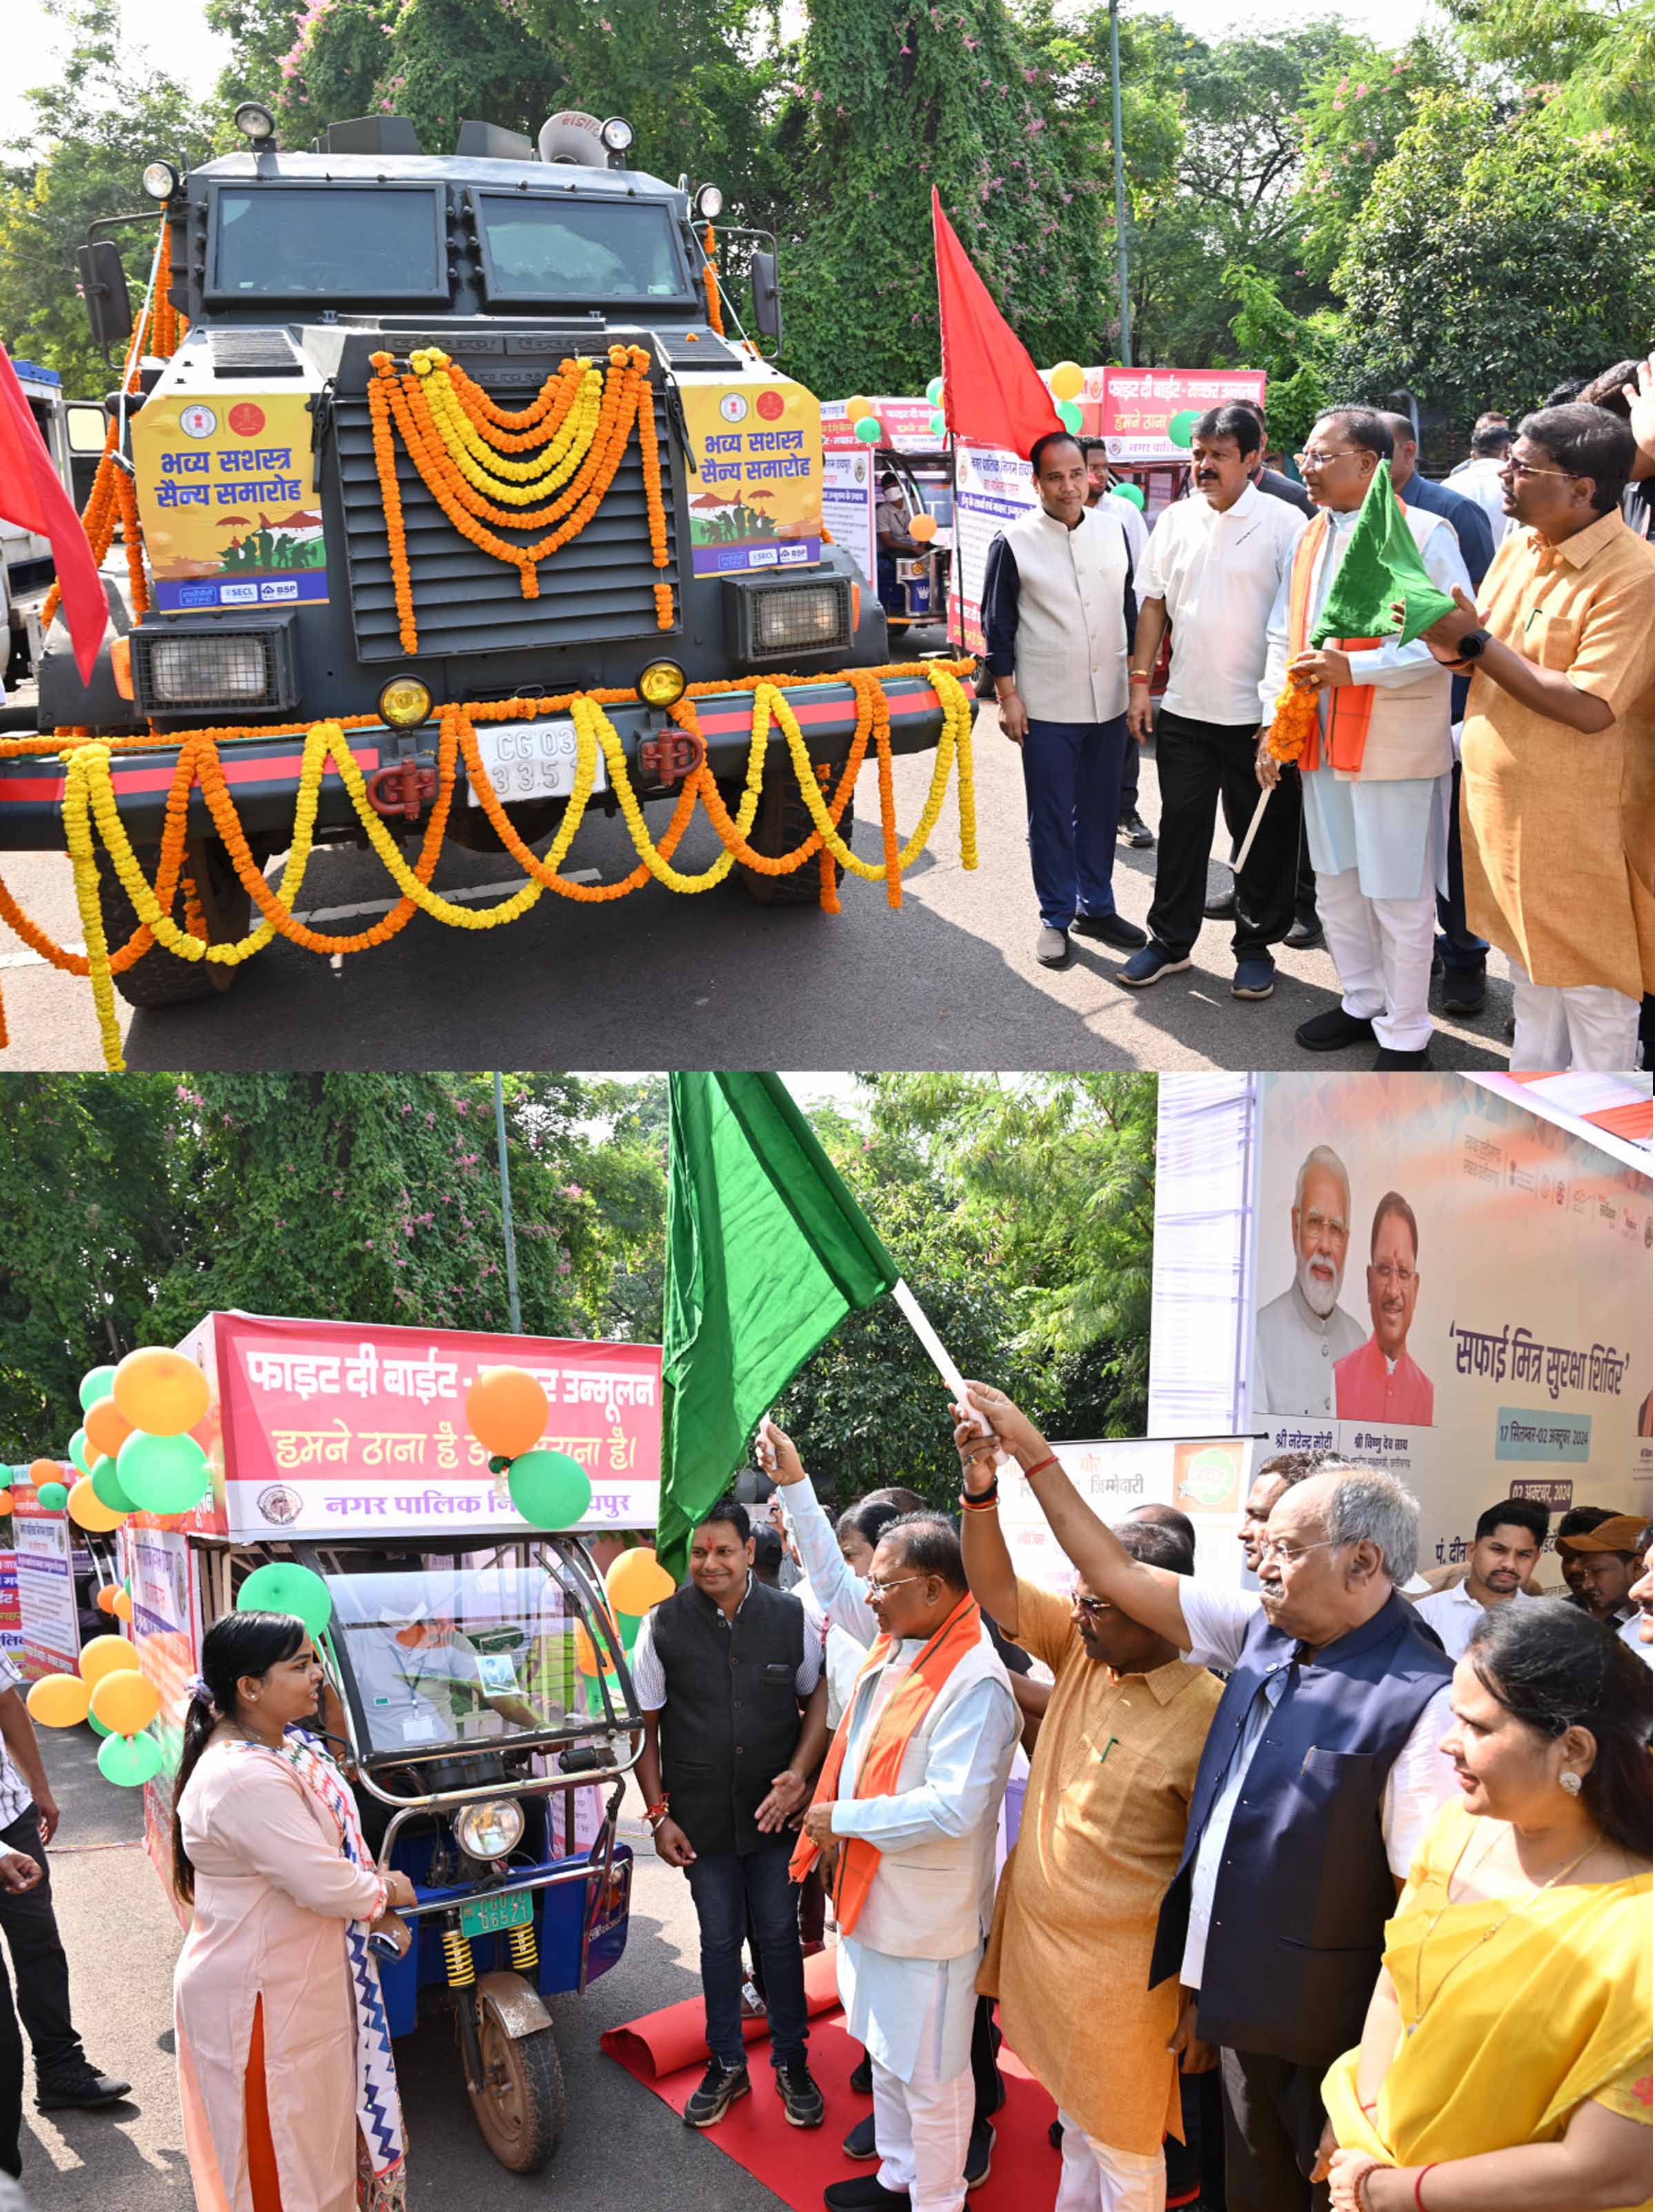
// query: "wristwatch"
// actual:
[[1472, 645]]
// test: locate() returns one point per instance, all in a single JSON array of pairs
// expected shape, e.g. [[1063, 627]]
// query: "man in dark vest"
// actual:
[[735, 1725], [1321, 1772]]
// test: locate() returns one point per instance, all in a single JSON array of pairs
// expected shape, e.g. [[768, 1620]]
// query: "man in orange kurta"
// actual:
[[1558, 803], [1378, 1381], [1101, 1834]]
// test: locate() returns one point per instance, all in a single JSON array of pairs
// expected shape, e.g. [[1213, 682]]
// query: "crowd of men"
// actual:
[[1485, 784], [1186, 1934]]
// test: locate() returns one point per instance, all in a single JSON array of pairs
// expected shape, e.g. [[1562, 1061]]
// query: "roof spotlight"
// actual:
[[255, 122], [161, 180], [710, 202], [617, 134]]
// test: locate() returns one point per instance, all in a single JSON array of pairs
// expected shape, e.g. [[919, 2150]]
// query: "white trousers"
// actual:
[[1098, 2178], [922, 2127], [1582, 1027], [1382, 949]]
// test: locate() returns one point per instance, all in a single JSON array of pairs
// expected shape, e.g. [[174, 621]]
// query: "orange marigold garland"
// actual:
[[650, 452], [396, 535], [1293, 723], [709, 279], [126, 503]]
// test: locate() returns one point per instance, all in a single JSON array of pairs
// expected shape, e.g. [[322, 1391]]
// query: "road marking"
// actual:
[[312, 915]]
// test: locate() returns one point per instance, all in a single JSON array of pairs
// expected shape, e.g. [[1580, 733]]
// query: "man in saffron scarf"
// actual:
[[907, 1807]]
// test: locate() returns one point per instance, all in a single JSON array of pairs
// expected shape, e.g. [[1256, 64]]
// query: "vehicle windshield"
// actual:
[[570, 249], [286, 242], [455, 1654]]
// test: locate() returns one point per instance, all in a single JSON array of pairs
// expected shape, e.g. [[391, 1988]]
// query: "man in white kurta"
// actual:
[[908, 1970], [1378, 836], [1301, 1335]]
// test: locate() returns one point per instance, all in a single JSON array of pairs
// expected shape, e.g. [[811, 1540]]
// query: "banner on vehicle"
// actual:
[[1142, 411], [992, 488], [226, 490], [848, 491], [322, 1428], [756, 494]]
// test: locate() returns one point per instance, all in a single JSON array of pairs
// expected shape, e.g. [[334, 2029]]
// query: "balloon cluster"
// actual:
[[1066, 383], [864, 423], [507, 1411], [118, 1701], [133, 1452]]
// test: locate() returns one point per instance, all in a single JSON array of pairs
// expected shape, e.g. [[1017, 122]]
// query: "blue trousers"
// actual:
[[726, 1888], [1071, 779]]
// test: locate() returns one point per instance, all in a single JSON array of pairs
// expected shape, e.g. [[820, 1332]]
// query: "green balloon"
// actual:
[[939, 423], [284, 1586], [77, 1451], [1132, 493], [128, 1760], [106, 1489], [162, 1474], [1069, 416], [97, 1726], [629, 1624], [934, 391], [549, 1489], [97, 1382], [1182, 428], [54, 1496], [868, 431]]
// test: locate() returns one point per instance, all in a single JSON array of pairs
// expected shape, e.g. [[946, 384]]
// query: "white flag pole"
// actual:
[[915, 1314], [1240, 860]]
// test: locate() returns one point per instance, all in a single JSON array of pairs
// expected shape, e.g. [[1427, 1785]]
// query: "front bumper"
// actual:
[[261, 773]]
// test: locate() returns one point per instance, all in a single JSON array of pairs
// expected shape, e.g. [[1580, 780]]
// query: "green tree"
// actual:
[[1496, 254], [1352, 119], [1596, 57], [1298, 353], [109, 112]]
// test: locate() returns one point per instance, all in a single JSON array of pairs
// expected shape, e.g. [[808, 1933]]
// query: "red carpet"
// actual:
[[668, 2052]]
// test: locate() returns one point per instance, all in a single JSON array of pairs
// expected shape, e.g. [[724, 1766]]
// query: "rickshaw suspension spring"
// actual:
[[457, 1955], [525, 1953]]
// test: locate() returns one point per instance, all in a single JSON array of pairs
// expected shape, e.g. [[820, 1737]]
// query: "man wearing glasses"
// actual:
[[1380, 1383], [1376, 776], [1319, 1775], [1558, 804]]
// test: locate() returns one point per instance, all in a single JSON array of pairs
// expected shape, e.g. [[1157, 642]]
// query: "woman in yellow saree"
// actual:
[[1505, 2065]]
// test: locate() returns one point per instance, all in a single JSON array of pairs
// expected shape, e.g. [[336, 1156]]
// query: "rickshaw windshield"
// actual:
[[451, 1654]]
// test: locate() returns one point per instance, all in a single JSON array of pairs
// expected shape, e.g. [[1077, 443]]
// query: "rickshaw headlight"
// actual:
[[490, 1830]]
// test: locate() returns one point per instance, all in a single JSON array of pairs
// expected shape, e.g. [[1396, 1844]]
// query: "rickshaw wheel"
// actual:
[[522, 2107]]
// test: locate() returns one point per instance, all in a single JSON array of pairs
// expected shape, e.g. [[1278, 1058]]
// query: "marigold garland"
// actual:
[[90, 804], [395, 533], [1294, 722], [709, 281]]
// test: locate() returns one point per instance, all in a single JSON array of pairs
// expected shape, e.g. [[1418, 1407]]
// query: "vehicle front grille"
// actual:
[[600, 586]]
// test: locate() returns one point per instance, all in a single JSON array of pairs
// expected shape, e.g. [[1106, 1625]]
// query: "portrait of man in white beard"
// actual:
[[1301, 1334]]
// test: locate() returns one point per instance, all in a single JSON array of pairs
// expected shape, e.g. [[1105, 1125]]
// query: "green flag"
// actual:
[[1381, 566], [766, 1253]]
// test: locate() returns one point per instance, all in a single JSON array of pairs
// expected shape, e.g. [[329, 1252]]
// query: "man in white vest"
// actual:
[[907, 1809], [1057, 617], [1378, 777]]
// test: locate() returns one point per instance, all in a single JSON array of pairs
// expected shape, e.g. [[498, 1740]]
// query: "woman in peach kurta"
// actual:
[[284, 2064]]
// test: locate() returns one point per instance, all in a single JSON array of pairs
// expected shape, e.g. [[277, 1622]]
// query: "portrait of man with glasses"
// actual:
[[1380, 1383]]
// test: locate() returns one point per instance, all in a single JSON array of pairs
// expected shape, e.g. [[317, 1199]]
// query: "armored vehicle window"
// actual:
[[570, 249], [286, 242]]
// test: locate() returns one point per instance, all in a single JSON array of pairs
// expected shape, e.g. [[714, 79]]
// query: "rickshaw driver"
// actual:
[[395, 1663]]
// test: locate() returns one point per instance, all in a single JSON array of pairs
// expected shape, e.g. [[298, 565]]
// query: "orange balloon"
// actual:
[[159, 1391], [107, 1430], [122, 1608], [924, 527], [507, 1410], [637, 1581], [106, 1597], [105, 1654], [5, 1501], [125, 1702], [44, 1470], [88, 1510], [59, 1701]]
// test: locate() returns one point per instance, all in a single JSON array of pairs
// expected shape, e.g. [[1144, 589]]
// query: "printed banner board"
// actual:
[[11, 1619], [1427, 1276], [226, 491], [323, 1428], [1205, 1477], [992, 488], [849, 487], [166, 1631], [48, 1621], [905, 425], [1138, 406], [756, 495]]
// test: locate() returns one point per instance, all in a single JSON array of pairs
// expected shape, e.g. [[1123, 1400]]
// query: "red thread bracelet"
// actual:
[[1419, 2182], [1040, 1465], [986, 1503]]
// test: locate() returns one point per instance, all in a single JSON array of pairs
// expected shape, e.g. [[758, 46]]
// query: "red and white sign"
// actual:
[[324, 1428], [905, 426], [11, 1619], [1136, 405]]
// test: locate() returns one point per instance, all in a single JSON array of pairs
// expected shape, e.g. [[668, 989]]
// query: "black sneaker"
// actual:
[[83, 2089], [979, 2155], [1305, 936], [865, 2194], [858, 2143], [1134, 830], [720, 2085], [1110, 929], [861, 2077], [1466, 992], [801, 2100], [1221, 907], [1333, 1031]]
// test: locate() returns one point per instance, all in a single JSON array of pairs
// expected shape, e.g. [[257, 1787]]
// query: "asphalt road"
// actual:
[[623, 2145], [665, 981]]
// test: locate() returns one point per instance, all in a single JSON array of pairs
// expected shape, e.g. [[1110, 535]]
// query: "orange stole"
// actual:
[[911, 1700], [1350, 707]]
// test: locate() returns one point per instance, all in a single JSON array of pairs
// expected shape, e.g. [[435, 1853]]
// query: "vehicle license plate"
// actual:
[[483, 1915], [532, 760]]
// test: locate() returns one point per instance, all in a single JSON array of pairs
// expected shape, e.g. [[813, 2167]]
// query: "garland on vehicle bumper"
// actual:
[[92, 815], [462, 444]]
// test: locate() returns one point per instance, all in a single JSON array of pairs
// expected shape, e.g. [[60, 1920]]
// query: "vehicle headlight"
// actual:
[[617, 134], [490, 1830], [185, 671], [254, 121], [663, 684], [797, 617], [160, 179], [405, 703], [710, 202]]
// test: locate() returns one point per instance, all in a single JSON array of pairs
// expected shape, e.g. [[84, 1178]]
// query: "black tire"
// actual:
[[782, 824], [160, 978], [523, 2107]]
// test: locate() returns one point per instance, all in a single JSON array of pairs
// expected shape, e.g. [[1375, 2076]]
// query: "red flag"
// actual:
[[31, 497], [992, 390]]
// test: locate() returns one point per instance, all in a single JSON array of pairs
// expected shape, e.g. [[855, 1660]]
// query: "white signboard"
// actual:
[[991, 489], [1205, 1477], [847, 490], [47, 1618]]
